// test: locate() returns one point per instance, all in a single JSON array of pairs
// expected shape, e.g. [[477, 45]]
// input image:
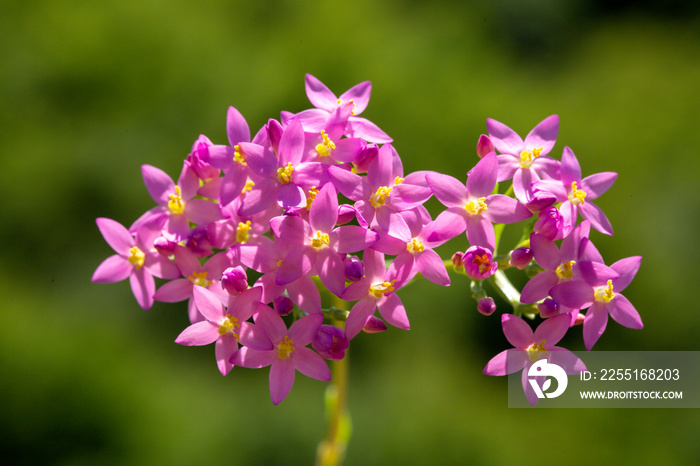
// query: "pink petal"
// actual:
[[574, 294], [310, 364], [432, 267], [291, 196], [480, 232], [517, 331], [538, 287], [392, 310], [263, 194], [304, 293], [482, 178], [570, 168], [174, 291], [546, 252], [596, 185], [449, 224], [254, 359], [253, 338], [363, 128], [225, 348], [331, 271], [116, 235], [305, 329], [158, 183], [506, 362], [236, 127], [504, 209], [291, 147], [209, 305], [319, 95], [505, 139], [297, 263], [113, 269], [544, 135], [324, 209], [627, 268], [593, 214], [449, 190], [359, 94], [202, 212], [199, 334], [359, 314], [352, 238], [143, 286], [349, 184], [507, 166], [232, 184], [552, 330], [594, 325], [281, 379], [624, 313]]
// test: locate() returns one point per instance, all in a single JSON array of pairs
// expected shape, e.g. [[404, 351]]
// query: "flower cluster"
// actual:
[[316, 204]]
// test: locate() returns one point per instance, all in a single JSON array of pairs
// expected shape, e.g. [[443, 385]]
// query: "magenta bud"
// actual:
[[478, 263], [457, 260], [365, 157], [548, 308], [374, 325], [198, 159], [164, 246], [283, 305], [346, 214], [486, 306], [330, 342], [539, 200], [197, 241], [484, 146], [354, 269], [550, 223], [274, 132], [234, 280], [520, 257]]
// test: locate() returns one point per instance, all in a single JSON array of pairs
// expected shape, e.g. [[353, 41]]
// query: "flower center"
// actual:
[[285, 348], [415, 245], [379, 198], [564, 270], [476, 206], [237, 156], [324, 148], [311, 196], [176, 204], [284, 174], [605, 293], [229, 326], [380, 289], [527, 157], [320, 240], [200, 279], [577, 196], [137, 257], [483, 262], [535, 351], [242, 231]]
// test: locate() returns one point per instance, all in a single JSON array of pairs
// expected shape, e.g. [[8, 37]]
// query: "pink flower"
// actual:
[[478, 263], [530, 347], [289, 352], [472, 207], [226, 327], [136, 259]]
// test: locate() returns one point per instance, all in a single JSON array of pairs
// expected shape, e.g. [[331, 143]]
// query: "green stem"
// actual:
[[331, 450]]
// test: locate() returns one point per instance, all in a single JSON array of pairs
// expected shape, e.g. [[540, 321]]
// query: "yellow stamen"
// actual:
[[229, 326], [137, 257], [200, 279], [605, 293], [242, 231], [320, 240], [311, 196], [415, 245], [248, 186], [483, 262], [475, 207], [564, 270], [527, 157], [285, 348], [176, 204], [284, 174], [352, 112], [398, 180], [577, 196], [534, 351], [379, 198], [237, 156], [380, 289], [324, 148]]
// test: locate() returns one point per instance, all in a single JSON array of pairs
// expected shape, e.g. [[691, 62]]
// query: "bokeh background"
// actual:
[[90, 91]]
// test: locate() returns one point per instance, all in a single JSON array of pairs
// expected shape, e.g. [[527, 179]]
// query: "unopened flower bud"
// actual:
[[478, 263], [234, 280], [374, 325], [198, 241], [330, 342], [539, 200], [550, 223], [283, 305], [484, 146], [486, 306], [274, 132], [457, 261], [548, 308], [165, 246], [365, 157], [198, 159], [346, 213], [579, 319], [354, 269], [520, 257]]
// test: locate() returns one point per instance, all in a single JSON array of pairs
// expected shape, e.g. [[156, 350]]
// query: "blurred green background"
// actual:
[[90, 91]]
